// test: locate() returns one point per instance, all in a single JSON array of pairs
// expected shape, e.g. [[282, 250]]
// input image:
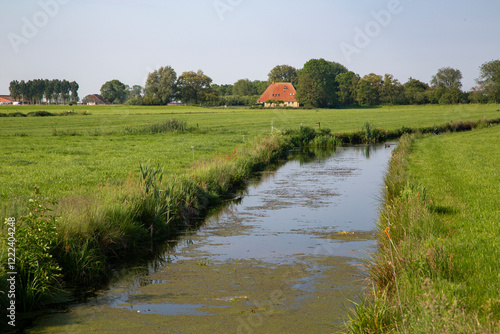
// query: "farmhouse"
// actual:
[[95, 99], [6, 99], [283, 92]]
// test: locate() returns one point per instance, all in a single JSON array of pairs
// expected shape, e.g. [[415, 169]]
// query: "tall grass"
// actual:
[[168, 126], [440, 206]]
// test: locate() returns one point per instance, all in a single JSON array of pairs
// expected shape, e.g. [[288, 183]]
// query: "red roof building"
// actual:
[[279, 91], [95, 99], [6, 99]]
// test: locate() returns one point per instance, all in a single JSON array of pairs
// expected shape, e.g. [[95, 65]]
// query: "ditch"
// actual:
[[286, 255]]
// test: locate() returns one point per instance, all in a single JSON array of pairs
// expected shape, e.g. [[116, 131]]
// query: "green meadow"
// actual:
[[65, 155], [440, 273]]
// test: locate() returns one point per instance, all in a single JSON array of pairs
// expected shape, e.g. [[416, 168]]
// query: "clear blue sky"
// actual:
[[93, 41]]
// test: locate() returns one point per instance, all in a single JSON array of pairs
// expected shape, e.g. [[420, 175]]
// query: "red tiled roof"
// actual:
[[280, 91], [6, 98], [97, 98]]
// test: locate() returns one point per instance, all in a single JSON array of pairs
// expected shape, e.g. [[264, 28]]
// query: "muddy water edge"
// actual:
[[284, 257]]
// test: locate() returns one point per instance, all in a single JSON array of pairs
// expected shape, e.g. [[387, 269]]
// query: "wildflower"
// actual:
[[387, 230]]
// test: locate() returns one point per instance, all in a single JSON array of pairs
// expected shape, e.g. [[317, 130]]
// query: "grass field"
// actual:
[[90, 163], [443, 207], [65, 155]]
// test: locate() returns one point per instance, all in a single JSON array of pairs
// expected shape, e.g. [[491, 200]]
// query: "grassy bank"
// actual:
[[436, 269]]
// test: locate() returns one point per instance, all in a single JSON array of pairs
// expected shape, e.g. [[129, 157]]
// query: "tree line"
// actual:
[[320, 83], [163, 86], [328, 84], [52, 91]]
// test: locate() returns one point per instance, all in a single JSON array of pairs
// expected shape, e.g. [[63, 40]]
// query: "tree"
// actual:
[[48, 91], [391, 91], [369, 88], [73, 86], [451, 96], [478, 95], [160, 86], [194, 88], [347, 87], [222, 90], [415, 91], [316, 85], [448, 78], [38, 89], [260, 86], [15, 90], [134, 92], [65, 89], [134, 95], [57, 90], [283, 73], [24, 91], [489, 80], [244, 87], [114, 91]]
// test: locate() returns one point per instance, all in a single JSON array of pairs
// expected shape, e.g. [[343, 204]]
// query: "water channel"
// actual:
[[284, 257]]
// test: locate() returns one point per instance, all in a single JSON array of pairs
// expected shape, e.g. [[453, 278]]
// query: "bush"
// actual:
[[38, 272], [135, 101], [301, 137]]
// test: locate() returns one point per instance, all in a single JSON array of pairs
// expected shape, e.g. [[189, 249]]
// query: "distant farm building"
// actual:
[[6, 99], [95, 99], [279, 94]]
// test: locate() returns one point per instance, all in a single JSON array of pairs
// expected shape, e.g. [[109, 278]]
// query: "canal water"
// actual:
[[285, 257]]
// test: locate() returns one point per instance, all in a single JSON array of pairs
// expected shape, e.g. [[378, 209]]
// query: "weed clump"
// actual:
[[172, 125], [38, 272]]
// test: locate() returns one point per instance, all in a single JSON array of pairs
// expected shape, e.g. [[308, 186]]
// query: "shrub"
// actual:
[[38, 272]]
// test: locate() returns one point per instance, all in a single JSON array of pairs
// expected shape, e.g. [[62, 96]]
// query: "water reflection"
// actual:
[[297, 209]]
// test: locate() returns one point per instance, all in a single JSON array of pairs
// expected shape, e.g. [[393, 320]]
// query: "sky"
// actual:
[[95, 41]]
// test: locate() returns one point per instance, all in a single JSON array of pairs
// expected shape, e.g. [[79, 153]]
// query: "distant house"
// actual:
[[6, 99], [95, 99], [283, 92]]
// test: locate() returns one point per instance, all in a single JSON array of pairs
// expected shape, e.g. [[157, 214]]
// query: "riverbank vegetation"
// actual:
[[126, 179], [436, 268]]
